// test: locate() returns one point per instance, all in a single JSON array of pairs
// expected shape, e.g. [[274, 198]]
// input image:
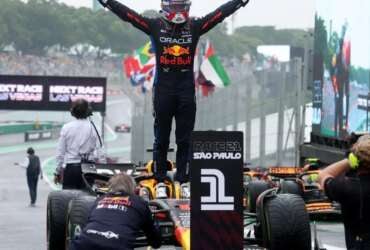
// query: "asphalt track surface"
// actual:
[[24, 228]]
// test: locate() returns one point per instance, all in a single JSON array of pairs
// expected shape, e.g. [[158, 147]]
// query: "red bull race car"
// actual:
[[280, 221]]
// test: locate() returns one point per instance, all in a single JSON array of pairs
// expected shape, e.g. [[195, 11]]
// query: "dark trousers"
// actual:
[[84, 243], [72, 177], [32, 186], [182, 107]]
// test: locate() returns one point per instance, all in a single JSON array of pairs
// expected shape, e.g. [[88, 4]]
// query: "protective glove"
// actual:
[[103, 2]]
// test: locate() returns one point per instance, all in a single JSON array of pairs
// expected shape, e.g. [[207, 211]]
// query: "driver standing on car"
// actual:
[[78, 141], [117, 218], [174, 36], [353, 193]]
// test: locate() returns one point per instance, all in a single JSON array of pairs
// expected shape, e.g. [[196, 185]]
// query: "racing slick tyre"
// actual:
[[57, 205], [254, 189], [285, 223], [78, 213], [291, 187]]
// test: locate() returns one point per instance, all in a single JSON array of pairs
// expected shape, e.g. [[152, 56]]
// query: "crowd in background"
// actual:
[[61, 65]]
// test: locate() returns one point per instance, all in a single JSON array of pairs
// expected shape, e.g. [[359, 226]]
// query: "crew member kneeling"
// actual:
[[353, 193], [117, 218]]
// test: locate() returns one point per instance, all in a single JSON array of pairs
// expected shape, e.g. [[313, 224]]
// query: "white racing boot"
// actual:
[[161, 191]]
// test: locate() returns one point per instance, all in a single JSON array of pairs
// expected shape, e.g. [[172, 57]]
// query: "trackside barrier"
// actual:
[[41, 135]]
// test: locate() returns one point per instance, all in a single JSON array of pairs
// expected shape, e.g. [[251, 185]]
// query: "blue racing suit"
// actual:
[[174, 86]]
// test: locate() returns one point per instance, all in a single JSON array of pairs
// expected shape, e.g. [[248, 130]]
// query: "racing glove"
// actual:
[[103, 2]]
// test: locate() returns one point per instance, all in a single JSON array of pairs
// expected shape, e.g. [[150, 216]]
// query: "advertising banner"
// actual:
[[50, 92]]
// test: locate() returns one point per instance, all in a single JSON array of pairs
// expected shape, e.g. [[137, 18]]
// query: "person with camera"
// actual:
[[78, 141], [117, 218], [352, 192]]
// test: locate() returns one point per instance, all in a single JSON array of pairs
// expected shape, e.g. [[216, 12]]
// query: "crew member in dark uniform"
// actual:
[[33, 171], [174, 36], [116, 220], [353, 193]]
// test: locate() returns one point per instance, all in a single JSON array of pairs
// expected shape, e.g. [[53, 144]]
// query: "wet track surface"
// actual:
[[24, 228]]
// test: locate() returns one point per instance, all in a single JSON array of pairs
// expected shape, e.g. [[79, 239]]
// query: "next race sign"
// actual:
[[50, 93]]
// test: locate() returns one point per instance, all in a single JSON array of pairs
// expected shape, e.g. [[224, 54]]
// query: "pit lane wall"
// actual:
[[17, 133], [266, 105]]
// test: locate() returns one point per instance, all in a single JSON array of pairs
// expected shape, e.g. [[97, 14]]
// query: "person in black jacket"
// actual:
[[352, 192], [33, 171], [116, 219], [174, 36]]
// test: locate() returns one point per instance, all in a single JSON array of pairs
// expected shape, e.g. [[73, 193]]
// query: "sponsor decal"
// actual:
[[114, 203], [137, 19], [184, 40], [212, 20], [21, 92], [109, 234], [176, 50], [165, 60]]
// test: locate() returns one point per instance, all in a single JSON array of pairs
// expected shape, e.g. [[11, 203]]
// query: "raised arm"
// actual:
[[128, 15], [209, 21]]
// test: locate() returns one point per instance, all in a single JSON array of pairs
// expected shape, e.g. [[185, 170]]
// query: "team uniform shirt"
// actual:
[[77, 138], [353, 194], [25, 163], [116, 221], [174, 47]]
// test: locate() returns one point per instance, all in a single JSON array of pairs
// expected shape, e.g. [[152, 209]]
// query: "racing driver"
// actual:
[[174, 36]]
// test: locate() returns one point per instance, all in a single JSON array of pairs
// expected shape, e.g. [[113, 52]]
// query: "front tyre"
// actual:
[[57, 206], [78, 212], [286, 223]]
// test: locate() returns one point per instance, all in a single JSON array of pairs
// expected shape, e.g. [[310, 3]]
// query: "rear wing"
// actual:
[[283, 172], [109, 169]]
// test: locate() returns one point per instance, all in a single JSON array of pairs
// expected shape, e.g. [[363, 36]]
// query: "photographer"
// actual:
[[353, 193]]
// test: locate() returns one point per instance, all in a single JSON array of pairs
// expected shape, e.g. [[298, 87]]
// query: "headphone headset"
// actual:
[[354, 162]]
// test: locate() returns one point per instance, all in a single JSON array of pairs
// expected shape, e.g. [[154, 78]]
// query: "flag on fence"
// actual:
[[209, 71], [212, 68], [140, 66]]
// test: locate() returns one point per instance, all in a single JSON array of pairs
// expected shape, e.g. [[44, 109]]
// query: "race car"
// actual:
[[294, 180], [122, 128], [277, 216]]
